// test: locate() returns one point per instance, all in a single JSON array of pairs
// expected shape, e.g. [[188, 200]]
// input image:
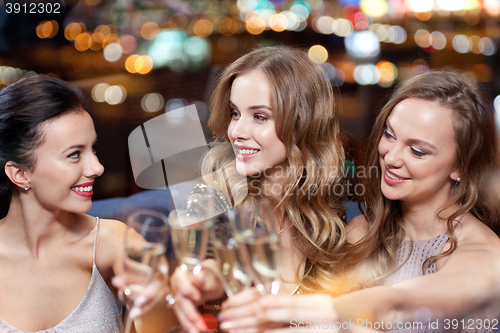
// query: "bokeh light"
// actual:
[[74, 29], [128, 43], [150, 30], [374, 8], [130, 63], [362, 44], [152, 102], [462, 44], [113, 52], [438, 40], [47, 29], [487, 46], [115, 95], [83, 41], [98, 92], [366, 74], [143, 64], [420, 6], [388, 72], [342, 27], [318, 54]]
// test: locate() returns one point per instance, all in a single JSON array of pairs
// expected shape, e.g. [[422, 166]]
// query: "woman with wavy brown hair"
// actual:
[[427, 244], [279, 115]]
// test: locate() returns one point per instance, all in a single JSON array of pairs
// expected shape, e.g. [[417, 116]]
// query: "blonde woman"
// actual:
[[279, 113]]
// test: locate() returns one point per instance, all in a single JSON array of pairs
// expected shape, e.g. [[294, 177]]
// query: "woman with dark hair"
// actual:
[[56, 262], [427, 243], [277, 113]]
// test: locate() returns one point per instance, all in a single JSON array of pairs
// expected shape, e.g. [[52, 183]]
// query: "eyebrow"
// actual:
[[412, 141], [253, 107], [79, 146]]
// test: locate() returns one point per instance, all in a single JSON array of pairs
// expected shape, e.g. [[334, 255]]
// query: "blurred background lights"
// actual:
[[152, 102], [115, 95], [492, 7], [374, 8], [143, 64], [47, 29], [366, 74], [98, 92], [487, 46], [387, 72], [362, 44], [396, 34], [197, 49], [83, 41], [324, 25], [74, 29], [150, 30], [420, 5], [318, 54], [423, 38], [175, 110], [113, 52], [438, 40], [450, 5], [462, 44], [302, 9], [128, 43], [342, 27], [360, 21]]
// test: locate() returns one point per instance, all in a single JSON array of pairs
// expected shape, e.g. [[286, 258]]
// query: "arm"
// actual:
[[468, 281]]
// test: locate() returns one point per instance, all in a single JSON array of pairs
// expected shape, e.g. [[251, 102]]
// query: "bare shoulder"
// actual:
[[471, 232], [356, 229], [109, 242]]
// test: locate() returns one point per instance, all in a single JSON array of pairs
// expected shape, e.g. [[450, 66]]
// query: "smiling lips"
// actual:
[[245, 153], [84, 190], [392, 179]]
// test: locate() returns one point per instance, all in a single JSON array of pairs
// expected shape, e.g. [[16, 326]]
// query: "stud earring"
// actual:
[[26, 187], [458, 180]]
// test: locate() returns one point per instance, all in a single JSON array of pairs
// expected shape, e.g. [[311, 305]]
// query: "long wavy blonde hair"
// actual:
[[374, 258], [306, 117]]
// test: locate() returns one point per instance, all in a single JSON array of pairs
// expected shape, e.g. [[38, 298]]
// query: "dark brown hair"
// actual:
[[24, 107]]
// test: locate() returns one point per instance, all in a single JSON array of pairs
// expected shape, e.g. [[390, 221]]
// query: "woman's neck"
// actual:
[[29, 225], [422, 220]]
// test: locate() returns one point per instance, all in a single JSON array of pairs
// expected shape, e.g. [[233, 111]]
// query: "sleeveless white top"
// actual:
[[98, 311]]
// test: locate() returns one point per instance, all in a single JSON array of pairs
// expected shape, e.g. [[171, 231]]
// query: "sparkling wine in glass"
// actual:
[[228, 253], [190, 237], [144, 249], [256, 230]]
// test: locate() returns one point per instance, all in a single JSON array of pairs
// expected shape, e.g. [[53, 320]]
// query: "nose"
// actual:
[[93, 168], [392, 154], [239, 130]]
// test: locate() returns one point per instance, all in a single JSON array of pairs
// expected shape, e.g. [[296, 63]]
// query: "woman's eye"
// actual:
[[75, 155], [260, 117], [388, 135], [417, 152], [234, 114]]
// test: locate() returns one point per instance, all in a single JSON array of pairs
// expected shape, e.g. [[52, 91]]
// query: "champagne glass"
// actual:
[[145, 244], [256, 230], [228, 253], [190, 239]]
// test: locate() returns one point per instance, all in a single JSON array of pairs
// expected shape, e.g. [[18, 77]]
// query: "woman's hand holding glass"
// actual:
[[250, 311], [145, 268]]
